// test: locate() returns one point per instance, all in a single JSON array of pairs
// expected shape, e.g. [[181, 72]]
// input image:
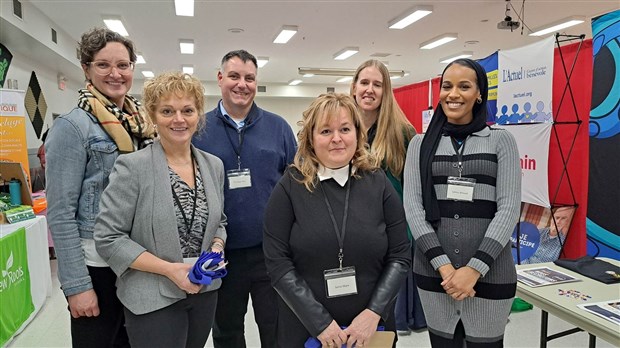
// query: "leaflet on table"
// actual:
[[541, 276], [609, 310]]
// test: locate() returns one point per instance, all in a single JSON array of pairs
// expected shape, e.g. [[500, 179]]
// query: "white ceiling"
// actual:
[[325, 27]]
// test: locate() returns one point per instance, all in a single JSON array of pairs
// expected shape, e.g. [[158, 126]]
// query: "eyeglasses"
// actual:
[[104, 68]]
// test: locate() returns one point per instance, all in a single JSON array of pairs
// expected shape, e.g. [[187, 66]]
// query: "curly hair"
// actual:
[[392, 124], [95, 39], [178, 84], [322, 110]]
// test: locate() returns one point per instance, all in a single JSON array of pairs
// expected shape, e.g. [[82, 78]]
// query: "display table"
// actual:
[[548, 299], [38, 262]]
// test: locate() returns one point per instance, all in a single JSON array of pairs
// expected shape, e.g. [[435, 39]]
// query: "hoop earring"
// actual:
[[479, 100]]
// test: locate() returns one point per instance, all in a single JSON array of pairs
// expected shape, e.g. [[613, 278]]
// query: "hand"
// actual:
[[332, 336], [84, 304], [446, 271], [362, 328], [461, 284], [178, 273]]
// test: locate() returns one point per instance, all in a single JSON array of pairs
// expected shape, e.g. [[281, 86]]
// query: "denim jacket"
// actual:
[[80, 156]]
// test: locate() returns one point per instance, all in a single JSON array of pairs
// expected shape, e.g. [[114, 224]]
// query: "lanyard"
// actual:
[[339, 234], [459, 155], [241, 133], [190, 224]]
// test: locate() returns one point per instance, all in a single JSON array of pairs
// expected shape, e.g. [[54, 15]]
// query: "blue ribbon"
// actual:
[[207, 268]]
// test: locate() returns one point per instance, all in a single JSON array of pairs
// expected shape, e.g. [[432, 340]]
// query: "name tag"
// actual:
[[239, 178], [340, 282], [461, 189]]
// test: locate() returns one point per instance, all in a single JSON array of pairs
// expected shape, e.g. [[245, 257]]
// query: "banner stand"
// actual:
[[568, 73]]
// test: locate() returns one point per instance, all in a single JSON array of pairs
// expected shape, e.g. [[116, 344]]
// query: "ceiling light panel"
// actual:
[[186, 46], [408, 17], [262, 61], [286, 33], [140, 59], [345, 79], [115, 24], [188, 69], [346, 53], [294, 82], [459, 55], [438, 41], [148, 74], [558, 25], [184, 8]]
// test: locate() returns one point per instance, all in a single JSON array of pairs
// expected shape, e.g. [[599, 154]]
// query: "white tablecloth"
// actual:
[[38, 261]]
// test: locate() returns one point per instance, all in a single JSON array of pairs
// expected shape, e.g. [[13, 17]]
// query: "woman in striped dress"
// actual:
[[462, 197]]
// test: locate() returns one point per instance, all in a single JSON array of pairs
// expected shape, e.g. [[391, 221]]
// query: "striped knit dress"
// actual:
[[474, 234]]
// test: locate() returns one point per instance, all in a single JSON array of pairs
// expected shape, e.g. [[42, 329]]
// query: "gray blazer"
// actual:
[[137, 214]]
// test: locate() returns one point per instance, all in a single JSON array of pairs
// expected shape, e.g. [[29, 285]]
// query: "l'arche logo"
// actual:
[[10, 276]]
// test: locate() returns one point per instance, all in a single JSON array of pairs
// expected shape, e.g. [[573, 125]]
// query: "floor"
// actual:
[[51, 328]]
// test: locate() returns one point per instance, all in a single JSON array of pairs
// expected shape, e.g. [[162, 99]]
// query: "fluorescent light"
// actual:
[[345, 79], [187, 46], [286, 33], [262, 61], [558, 25], [184, 8], [346, 53], [140, 59], [438, 41], [294, 82], [308, 75], [148, 74], [394, 77], [115, 24], [453, 57], [188, 69], [338, 72], [412, 15]]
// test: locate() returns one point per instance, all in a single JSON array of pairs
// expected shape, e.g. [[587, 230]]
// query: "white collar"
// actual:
[[340, 175]]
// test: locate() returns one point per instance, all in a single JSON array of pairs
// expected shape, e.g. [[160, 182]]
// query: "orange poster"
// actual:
[[13, 147]]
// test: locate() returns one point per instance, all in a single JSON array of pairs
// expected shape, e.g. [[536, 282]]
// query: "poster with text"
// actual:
[[533, 143], [525, 84], [13, 147]]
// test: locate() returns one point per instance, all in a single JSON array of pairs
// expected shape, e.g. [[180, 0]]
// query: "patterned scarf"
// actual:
[[123, 128]]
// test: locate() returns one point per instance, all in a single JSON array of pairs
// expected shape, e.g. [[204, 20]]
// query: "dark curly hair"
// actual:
[[95, 39]]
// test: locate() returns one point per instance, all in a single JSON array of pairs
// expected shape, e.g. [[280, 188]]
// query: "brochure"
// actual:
[[541, 276], [609, 310]]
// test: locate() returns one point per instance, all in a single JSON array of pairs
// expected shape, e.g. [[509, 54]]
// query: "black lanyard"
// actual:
[[339, 234], [238, 150], [190, 224], [459, 154]]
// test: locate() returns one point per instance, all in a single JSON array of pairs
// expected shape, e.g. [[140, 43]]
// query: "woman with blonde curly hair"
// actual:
[[335, 238], [162, 208]]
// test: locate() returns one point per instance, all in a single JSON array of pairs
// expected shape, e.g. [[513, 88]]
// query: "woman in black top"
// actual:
[[335, 237]]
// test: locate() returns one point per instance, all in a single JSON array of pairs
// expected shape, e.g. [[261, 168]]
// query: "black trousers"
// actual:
[[459, 340], [247, 275], [107, 329], [186, 323]]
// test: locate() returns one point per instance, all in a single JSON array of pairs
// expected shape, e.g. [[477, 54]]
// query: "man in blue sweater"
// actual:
[[256, 146]]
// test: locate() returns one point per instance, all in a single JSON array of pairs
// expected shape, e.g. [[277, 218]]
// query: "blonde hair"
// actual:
[[323, 109], [174, 83], [392, 125]]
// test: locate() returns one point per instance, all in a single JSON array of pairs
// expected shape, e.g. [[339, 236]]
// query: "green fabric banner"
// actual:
[[15, 298]]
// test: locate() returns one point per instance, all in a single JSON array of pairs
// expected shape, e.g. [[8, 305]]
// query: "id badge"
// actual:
[[239, 178], [461, 189], [340, 282]]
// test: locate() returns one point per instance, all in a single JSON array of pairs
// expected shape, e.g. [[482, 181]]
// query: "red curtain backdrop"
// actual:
[[413, 99]]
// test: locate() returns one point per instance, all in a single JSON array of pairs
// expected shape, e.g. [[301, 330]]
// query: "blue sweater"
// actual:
[[268, 148]]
